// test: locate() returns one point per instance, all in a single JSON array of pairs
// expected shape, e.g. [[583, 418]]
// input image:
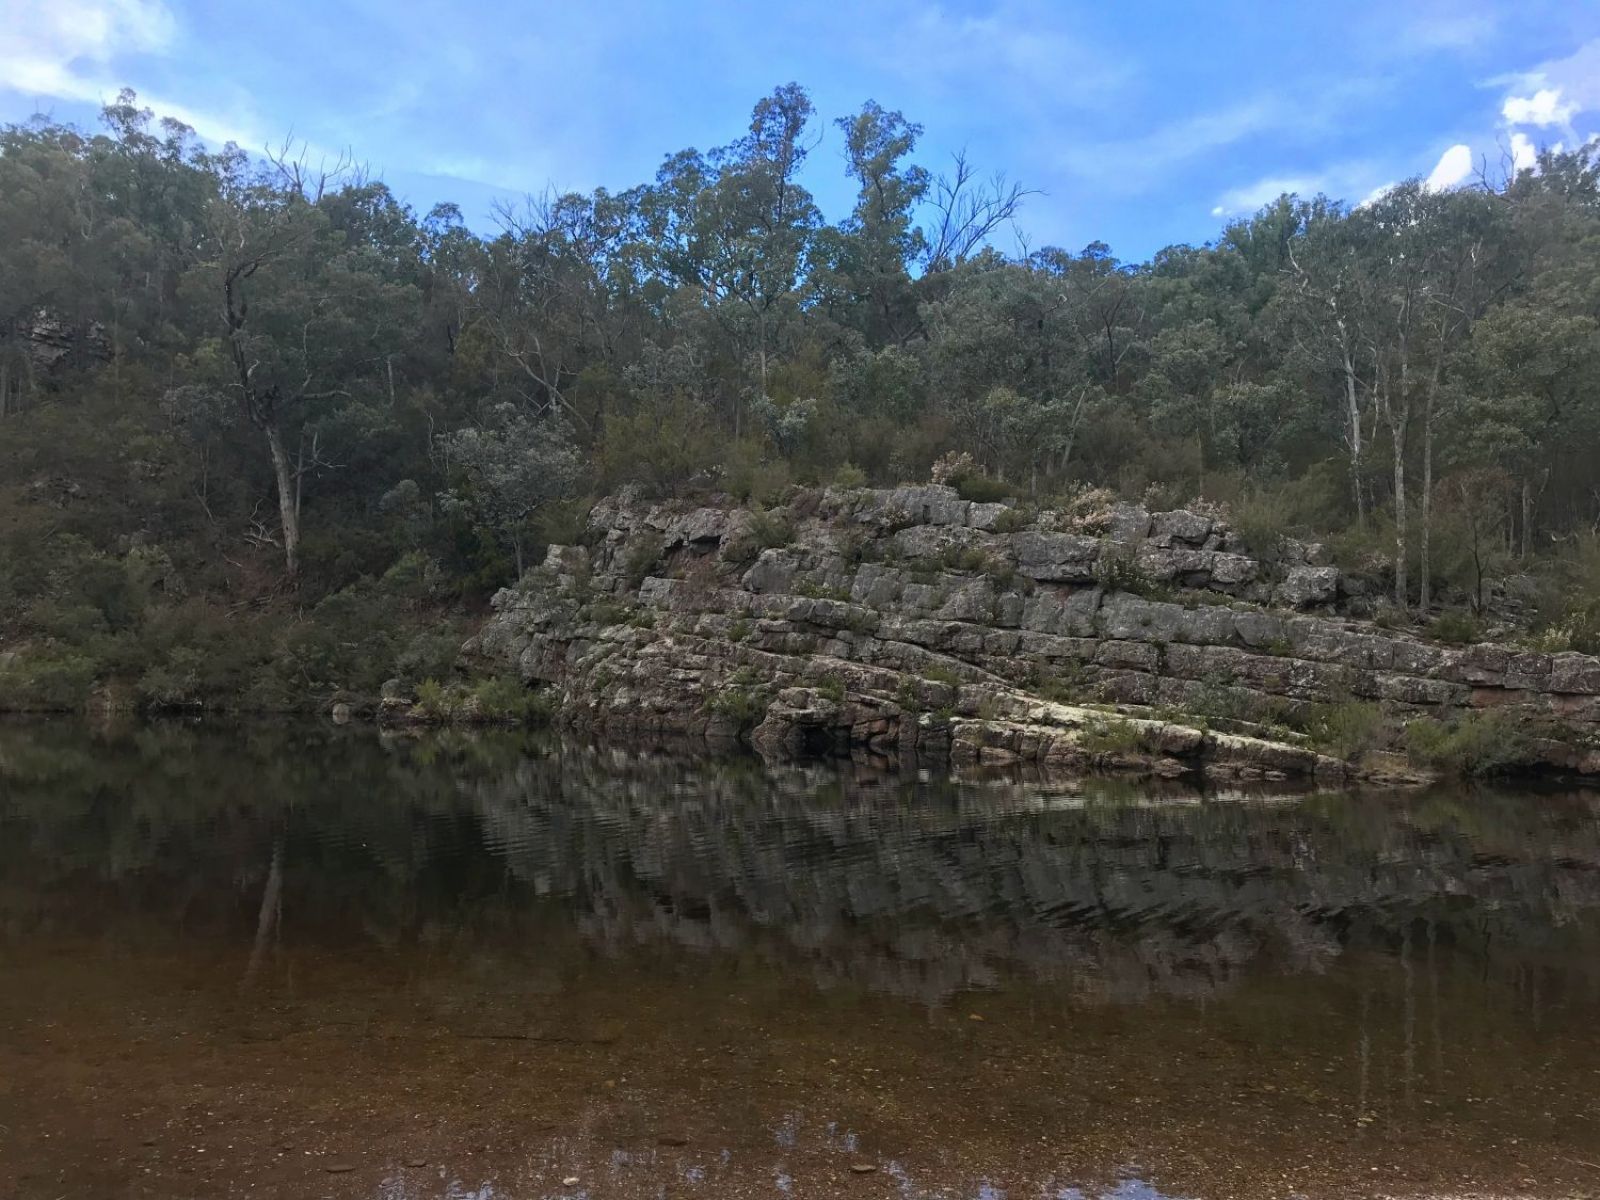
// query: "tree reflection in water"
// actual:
[[1404, 941]]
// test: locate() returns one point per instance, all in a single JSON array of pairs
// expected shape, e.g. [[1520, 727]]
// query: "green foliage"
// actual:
[[1458, 628], [1118, 570], [47, 680], [740, 701], [832, 688], [1350, 729], [429, 403], [1111, 737], [848, 476], [982, 489], [639, 558], [1068, 683], [769, 529], [499, 700], [1472, 743], [1569, 604], [821, 591], [1013, 519]]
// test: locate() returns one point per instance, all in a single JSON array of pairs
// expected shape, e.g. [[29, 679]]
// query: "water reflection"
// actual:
[[636, 970]]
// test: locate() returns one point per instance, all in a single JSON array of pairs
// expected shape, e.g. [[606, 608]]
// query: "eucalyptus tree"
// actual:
[[736, 226], [504, 470], [878, 243], [1326, 305], [1009, 364], [305, 322]]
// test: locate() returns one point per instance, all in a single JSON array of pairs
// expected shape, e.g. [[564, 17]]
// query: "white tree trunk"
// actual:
[[288, 509]]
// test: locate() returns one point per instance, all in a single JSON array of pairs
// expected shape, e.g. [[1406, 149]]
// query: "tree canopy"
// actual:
[[281, 380]]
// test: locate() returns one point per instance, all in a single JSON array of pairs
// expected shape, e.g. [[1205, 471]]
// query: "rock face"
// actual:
[[910, 622]]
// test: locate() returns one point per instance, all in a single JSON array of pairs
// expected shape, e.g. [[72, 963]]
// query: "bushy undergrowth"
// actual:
[[499, 699], [1470, 744], [124, 627]]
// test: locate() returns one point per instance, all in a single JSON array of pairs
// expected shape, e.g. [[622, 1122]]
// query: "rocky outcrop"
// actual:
[[910, 622]]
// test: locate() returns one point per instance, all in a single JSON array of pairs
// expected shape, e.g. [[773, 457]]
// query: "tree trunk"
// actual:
[[1425, 535], [288, 509], [1527, 516], [763, 352], [1397, 410], [1400, 582], [268, 914], [1353, 413]]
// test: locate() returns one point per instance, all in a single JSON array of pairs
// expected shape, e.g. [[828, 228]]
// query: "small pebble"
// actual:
[[672, 1139], [416, 1162], [338, 1168], [862, 1169]]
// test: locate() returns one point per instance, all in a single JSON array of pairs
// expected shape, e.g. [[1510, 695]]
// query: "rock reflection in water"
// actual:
[[545, 957]]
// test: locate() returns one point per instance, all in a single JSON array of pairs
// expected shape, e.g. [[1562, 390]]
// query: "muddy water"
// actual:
[[300, 962]]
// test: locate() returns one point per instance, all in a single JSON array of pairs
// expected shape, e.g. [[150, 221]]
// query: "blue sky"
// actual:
[[1142, 124]]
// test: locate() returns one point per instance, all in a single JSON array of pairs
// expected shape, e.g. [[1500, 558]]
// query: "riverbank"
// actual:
[[908, 623]]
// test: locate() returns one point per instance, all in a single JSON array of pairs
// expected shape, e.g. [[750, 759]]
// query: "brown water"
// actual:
[[301, 962]]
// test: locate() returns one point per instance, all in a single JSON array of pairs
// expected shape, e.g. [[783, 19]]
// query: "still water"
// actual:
[[298, 961]]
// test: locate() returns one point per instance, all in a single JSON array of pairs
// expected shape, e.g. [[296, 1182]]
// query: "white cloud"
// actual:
[[1523, 155], [68, 50], [1376, 194], [1543, 108], [1454, 165], [1252, 196], [60, 50], [1555, 91]]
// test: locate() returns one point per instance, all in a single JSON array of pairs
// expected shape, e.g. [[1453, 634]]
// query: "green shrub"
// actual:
[[1118, 571], [1111, 737], [639, 558], [1388, 616], [769, 530], [430, 653], [55, 680], [1569, 608], [832, 688], [848, 475], [174, 683], [1473, 744], [814, 590], [503, 698], [1349, 729], [982, 489], [1067, 684], [745, 706], [435, 700], [609, 612], [1459, 628]]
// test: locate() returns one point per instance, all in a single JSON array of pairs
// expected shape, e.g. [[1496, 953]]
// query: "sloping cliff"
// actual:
[[909, 622]]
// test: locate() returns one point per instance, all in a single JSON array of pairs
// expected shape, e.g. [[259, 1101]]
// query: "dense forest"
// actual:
[[267, 433]]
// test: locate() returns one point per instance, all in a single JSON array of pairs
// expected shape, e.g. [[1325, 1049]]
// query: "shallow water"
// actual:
[[300, 961]]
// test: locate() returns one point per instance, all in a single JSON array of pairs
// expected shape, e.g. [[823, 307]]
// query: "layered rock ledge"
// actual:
[[909, 622]]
